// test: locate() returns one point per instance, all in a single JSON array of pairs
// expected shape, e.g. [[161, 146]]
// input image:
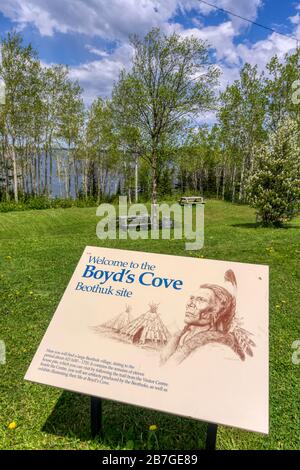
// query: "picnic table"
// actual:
[[191, 200], [143, 222]]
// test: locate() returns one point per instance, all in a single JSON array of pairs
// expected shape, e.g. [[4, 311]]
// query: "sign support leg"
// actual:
[[96, 416], [211, 436]]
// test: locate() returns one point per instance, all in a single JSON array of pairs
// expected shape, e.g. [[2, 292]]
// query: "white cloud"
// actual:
[[23, 12], [114, 19], [228, 75], [219, 37], [297, 15], [96, 51], [111, 20], [262, 51], [295, 20], [247, 9], [97, 77]]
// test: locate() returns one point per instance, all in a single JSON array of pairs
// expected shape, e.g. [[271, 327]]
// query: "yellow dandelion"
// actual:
[[152, 427], [12, 425]]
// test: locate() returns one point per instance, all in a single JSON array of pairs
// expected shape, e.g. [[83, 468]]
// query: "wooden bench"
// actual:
[[191, 200]]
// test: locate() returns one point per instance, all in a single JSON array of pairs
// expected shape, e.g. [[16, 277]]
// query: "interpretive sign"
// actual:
[[183, 335]]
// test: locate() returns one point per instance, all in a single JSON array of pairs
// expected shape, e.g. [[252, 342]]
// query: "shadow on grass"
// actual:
[[246, 225], [124, 426], [259, 226]]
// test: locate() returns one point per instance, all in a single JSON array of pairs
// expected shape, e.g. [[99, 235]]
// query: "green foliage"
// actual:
[[197, 156], [39, 203], [170, 81], [151, 122], [165, 182], [279, 88], [241, 124], [43, 108], [274, 187]]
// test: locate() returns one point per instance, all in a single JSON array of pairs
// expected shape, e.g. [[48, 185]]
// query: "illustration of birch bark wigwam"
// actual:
[[120, 321], [148, 329], [113, 326]]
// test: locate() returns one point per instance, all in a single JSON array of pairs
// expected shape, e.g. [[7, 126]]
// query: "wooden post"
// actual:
[[211, 436], [96, 416]]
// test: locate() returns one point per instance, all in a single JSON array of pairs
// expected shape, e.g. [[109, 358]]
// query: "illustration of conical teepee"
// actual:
[[120, 321], [148, 328]]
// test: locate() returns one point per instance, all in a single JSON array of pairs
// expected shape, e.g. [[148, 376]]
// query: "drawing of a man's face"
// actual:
[[199, 307]]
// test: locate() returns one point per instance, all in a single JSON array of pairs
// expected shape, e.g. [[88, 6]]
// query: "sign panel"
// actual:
[[183, 335]]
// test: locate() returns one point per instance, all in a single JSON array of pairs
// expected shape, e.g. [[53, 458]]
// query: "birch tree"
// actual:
[[170, 80], [18, 68]]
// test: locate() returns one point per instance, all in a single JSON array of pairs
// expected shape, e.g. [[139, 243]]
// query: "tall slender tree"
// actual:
[[170, 80], [241, 117], [71, 119], [19, 72]]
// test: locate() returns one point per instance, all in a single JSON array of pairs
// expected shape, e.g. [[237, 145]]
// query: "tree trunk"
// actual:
[[23, 175], [30, 176], [154, 190], [50, 173], [217, 182], [76, 179], [233, 184], [85, 178], [7, 196], [181, 181], [38, 164], [224, 183], [68, 172], [6, 173], [201, 182], [195, 181], [46, 188], [136, 180], [15, 172], [154, 181], [99, 182], [241, 192], [59, 174]]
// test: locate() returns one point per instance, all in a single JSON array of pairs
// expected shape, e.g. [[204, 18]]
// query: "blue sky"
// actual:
[[91, 36]]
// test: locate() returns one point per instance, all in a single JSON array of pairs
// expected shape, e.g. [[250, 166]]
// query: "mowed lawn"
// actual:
[[38, 253]]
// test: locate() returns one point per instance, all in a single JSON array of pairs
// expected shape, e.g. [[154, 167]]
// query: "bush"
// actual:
[[38, 203], [62, 203], [274, 187], [42, 202], [88, 202], [11, 206]]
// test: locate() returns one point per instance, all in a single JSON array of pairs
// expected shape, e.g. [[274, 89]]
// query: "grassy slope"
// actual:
[[38, 252]]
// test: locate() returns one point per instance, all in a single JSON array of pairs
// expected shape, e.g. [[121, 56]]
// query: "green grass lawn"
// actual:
[[38, 253]]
